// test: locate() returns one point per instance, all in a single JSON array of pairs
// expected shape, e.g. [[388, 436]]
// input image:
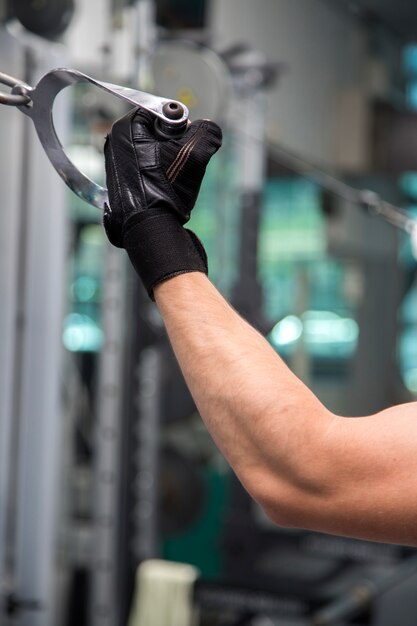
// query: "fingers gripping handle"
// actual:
[[171, 119]]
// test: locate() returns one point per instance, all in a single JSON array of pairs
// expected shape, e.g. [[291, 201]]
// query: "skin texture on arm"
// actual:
[[305, 466]]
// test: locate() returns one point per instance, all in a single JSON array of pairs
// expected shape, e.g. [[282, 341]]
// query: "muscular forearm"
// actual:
[[269, 426], [306, 466]]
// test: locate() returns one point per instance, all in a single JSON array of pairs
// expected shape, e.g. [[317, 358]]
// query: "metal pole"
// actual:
[[11, 132], [144, 43], [104, 607], [108, 600], [252, 76], [39, 373], [146, 461], [251, 150]]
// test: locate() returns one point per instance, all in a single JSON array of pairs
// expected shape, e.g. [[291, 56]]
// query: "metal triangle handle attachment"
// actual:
[[171, 118]]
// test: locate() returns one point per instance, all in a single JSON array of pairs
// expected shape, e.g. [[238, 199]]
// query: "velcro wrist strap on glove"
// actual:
[[160, 248]]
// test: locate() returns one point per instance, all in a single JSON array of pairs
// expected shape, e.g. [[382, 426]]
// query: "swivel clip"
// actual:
[[171, 120]]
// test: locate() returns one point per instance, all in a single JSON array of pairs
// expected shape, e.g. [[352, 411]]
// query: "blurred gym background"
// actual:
[[104, 461]]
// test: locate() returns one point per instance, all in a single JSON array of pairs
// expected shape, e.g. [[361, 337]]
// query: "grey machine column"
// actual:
[[35, 256], [11, 125], [104, 606], [108, 591], [252, 76]]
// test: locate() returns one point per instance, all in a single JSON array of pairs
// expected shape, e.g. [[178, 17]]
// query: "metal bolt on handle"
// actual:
[[171, 120]]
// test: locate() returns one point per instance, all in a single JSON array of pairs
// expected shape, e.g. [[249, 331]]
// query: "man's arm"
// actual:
[[304, 465]]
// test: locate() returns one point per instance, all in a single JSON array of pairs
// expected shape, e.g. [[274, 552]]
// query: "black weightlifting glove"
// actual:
[[153, 184]]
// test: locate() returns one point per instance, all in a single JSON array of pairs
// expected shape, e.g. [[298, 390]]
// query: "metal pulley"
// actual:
[[45, 18], [171, 120], [194, 74]]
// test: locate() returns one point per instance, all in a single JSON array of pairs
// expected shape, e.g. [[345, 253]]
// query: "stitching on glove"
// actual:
[[182, 156], [138, 168], [115, 173]]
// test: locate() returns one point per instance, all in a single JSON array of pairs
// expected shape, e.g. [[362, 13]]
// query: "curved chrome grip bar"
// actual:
[[171, 120]]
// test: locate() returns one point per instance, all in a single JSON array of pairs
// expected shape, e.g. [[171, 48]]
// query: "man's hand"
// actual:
[[153, 184]]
